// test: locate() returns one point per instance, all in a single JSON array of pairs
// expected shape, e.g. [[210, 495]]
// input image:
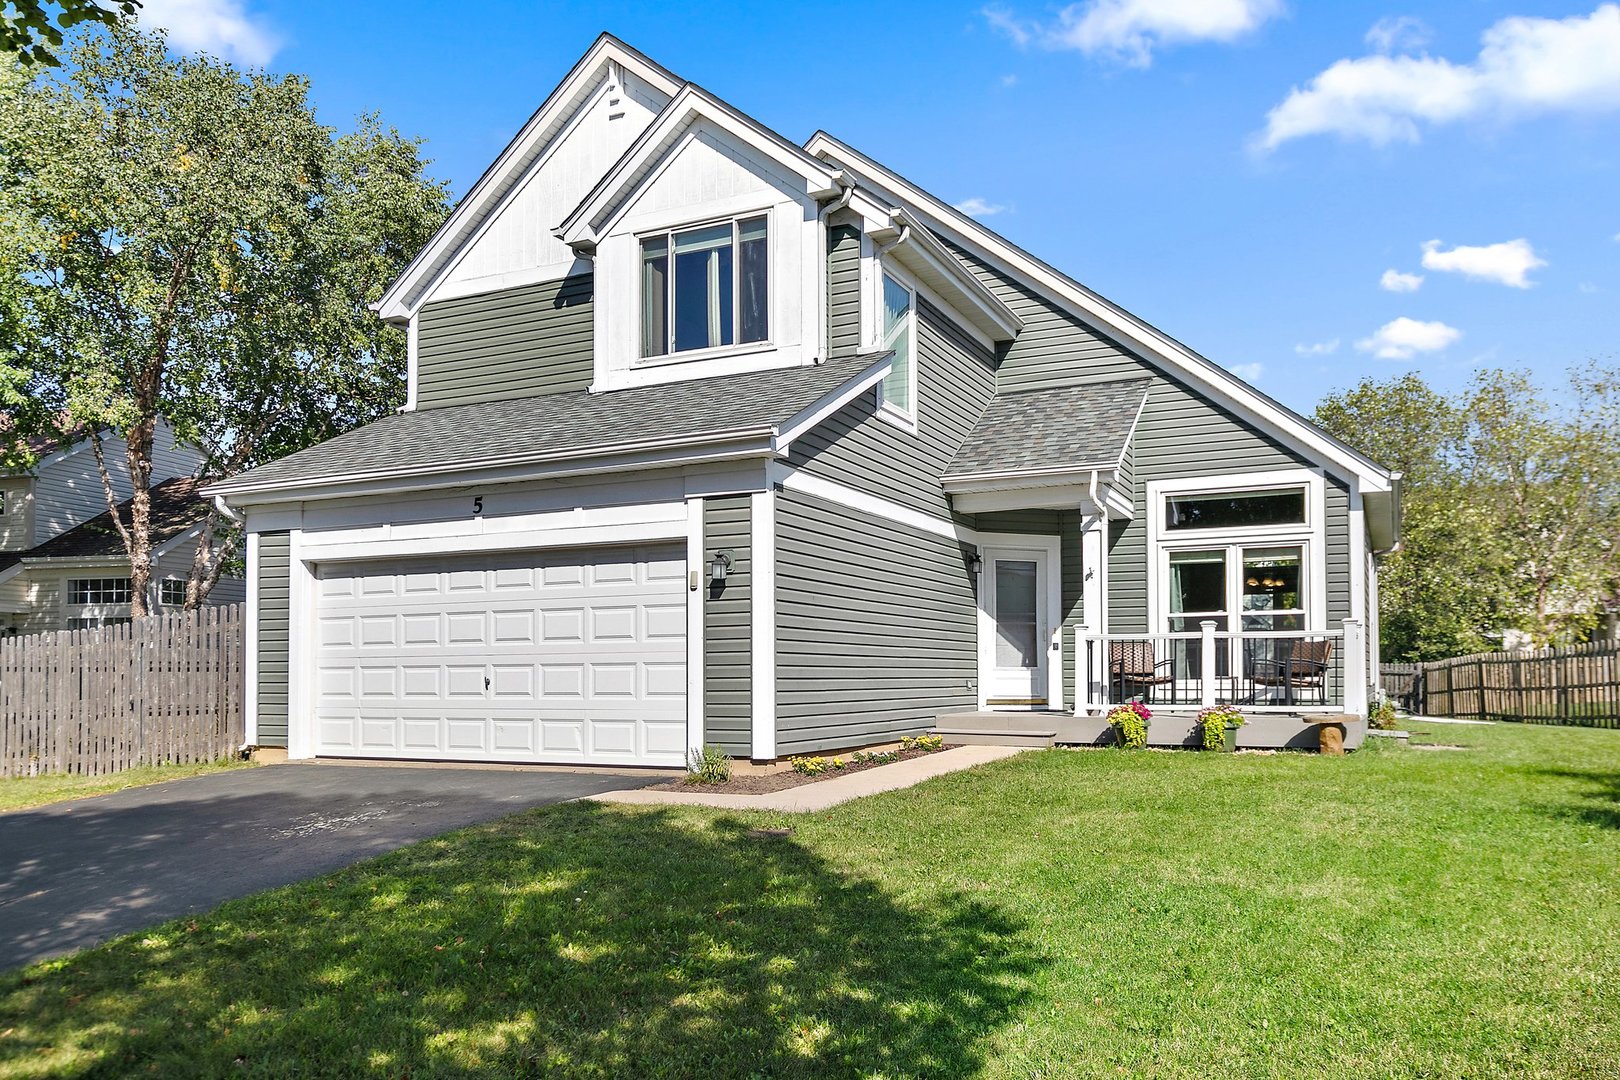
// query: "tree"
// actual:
[[201, 251], [28, 31]]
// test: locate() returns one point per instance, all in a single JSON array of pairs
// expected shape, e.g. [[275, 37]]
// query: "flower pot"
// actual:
[[1229, 739]]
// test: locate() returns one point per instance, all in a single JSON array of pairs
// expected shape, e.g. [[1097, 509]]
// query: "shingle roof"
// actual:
[[1081, 425], [571, 424], [176, 507]]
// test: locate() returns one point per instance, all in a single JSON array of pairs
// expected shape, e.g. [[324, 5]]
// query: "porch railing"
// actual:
[[1259, 671]]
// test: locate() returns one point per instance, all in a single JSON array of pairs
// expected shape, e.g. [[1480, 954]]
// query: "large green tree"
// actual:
[[199, 249], [31, 30]]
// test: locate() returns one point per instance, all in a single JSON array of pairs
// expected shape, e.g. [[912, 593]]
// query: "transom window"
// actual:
[[899, 314], [82, 591], [705, 288], [1234, 510]]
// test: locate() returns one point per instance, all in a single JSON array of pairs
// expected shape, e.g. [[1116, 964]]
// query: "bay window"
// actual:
[[705, 287]]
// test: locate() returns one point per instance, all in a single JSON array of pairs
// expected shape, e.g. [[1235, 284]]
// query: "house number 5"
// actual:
[[478, 505]]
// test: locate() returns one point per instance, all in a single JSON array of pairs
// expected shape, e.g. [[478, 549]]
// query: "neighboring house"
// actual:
[[713, 438], [62, 561]]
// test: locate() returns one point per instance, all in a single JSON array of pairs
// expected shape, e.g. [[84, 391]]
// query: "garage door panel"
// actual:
[[549, 656]]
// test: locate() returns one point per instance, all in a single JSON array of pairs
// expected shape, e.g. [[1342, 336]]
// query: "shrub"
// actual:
[[874, 757], [1214, 721], [708, 766], [922, 742], [1130, 724], [809, 766], [1383, 714]]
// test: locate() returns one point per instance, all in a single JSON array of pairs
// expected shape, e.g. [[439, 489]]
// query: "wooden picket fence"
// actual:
[[163, 689], [1578, 684]]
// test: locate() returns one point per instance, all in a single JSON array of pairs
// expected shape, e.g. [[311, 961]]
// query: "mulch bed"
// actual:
[[787, 778]]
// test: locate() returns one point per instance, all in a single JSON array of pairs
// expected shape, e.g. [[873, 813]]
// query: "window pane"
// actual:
[[1016, 644], [1271, 580], [897, 336], [1235, 510], [655, 296], [703, 288], [752, 295], [1198, 583]]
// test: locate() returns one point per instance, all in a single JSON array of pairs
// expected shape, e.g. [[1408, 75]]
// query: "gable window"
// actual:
[[705, 288], [83, 591], [899, 334], [172, 592]]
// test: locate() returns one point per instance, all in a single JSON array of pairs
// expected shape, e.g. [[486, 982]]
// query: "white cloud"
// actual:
[[1395, 281], [1401, 339], [1525, 66], [1248, 372], [1506, 263], [1130, 30], [1399, 33], [221, 27], [1009, 80], [1617, 237], [1320, 348], [1588, 289], [979, 208]]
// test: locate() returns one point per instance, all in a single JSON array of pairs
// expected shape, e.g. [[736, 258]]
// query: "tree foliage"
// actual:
[[1511, 503], [31, 30], [197, 248]]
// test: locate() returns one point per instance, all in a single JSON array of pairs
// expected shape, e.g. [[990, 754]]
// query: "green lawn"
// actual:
[[39, 790], [1095, 913]]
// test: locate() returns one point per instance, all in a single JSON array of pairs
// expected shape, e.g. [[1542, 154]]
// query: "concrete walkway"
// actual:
[[808, 798]]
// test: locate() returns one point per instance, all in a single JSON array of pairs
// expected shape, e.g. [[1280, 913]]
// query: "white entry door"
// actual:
[[550, 656], [1015, 591]]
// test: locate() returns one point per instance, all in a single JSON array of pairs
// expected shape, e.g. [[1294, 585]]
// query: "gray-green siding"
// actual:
[[876, 628], [856, 447], [1180, 434], [274, 562], [727, 628], [843, 290], [522, 342]]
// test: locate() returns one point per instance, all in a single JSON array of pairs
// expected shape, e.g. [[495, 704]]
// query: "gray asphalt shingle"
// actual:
[[574, 422], [1086, 424]]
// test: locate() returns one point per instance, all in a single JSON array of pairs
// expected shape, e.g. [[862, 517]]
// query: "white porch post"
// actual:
[[1093, 608], [1206, 670], [1355, 668]]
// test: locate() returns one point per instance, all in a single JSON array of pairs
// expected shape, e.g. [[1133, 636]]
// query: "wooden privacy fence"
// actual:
[[1579, 684], [164, 689]]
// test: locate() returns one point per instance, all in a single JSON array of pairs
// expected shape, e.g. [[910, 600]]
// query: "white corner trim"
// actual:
[[301, 636], [250, 630], [412, 368], [696, 596], [762, 622]]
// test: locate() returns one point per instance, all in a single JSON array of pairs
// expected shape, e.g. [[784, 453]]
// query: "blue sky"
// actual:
[[1241, 173]]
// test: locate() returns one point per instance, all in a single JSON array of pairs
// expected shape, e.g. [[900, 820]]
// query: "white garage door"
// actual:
[[557, 656]]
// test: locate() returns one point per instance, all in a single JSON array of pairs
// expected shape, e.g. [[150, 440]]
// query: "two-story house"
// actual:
[[62, 560], [717, 438]]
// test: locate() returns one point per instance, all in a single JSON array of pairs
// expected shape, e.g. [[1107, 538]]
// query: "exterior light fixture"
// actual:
[[975, 563], [720, 567]]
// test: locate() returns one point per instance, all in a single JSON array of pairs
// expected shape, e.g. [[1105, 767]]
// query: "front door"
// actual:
[[1015, 584]]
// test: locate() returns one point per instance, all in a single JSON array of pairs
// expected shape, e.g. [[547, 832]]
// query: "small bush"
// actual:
[[708, 766], [1130, 724], [922, 742], [1383, 715], [809, 766], [1214, 721], [874, 757]]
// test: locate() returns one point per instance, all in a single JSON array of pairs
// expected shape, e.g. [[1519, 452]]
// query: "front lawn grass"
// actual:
[[30, 791], [1398, 912]]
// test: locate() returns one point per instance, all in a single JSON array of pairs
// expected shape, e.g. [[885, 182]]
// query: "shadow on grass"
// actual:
[[573, 941], [1602, 792]]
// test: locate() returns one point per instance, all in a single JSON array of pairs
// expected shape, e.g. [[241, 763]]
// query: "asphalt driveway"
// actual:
[[76, 873]]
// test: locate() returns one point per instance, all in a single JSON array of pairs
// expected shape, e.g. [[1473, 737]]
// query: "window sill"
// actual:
[[694, 355], [893, 414]]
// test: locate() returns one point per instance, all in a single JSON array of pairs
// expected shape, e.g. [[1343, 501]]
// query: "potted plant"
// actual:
[[1219, 724], [1130, 724]]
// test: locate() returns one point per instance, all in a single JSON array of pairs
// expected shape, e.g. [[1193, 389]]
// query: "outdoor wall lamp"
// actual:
[[720, 567], [975, 562]]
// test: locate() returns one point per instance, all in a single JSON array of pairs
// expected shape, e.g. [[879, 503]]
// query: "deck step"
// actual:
[[978, 736]]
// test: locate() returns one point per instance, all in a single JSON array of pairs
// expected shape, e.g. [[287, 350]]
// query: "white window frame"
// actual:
[[164, 584], [1310, 537], [97, 583], [736, 348], [888, 410]]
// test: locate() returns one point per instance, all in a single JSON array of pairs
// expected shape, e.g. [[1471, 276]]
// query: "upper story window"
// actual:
[[83, 591], [899, 334], [1240, 510], [705, 288]]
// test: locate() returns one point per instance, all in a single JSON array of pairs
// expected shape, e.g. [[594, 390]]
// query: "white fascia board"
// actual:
[[590, 220], [747, 443], [492, 187], [1150, 343], [76, 562], [970, 296], [829, 404], [1050, 476]]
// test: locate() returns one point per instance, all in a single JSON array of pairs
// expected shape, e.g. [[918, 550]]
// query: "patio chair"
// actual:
[[1300, 670], [1132, 663]]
